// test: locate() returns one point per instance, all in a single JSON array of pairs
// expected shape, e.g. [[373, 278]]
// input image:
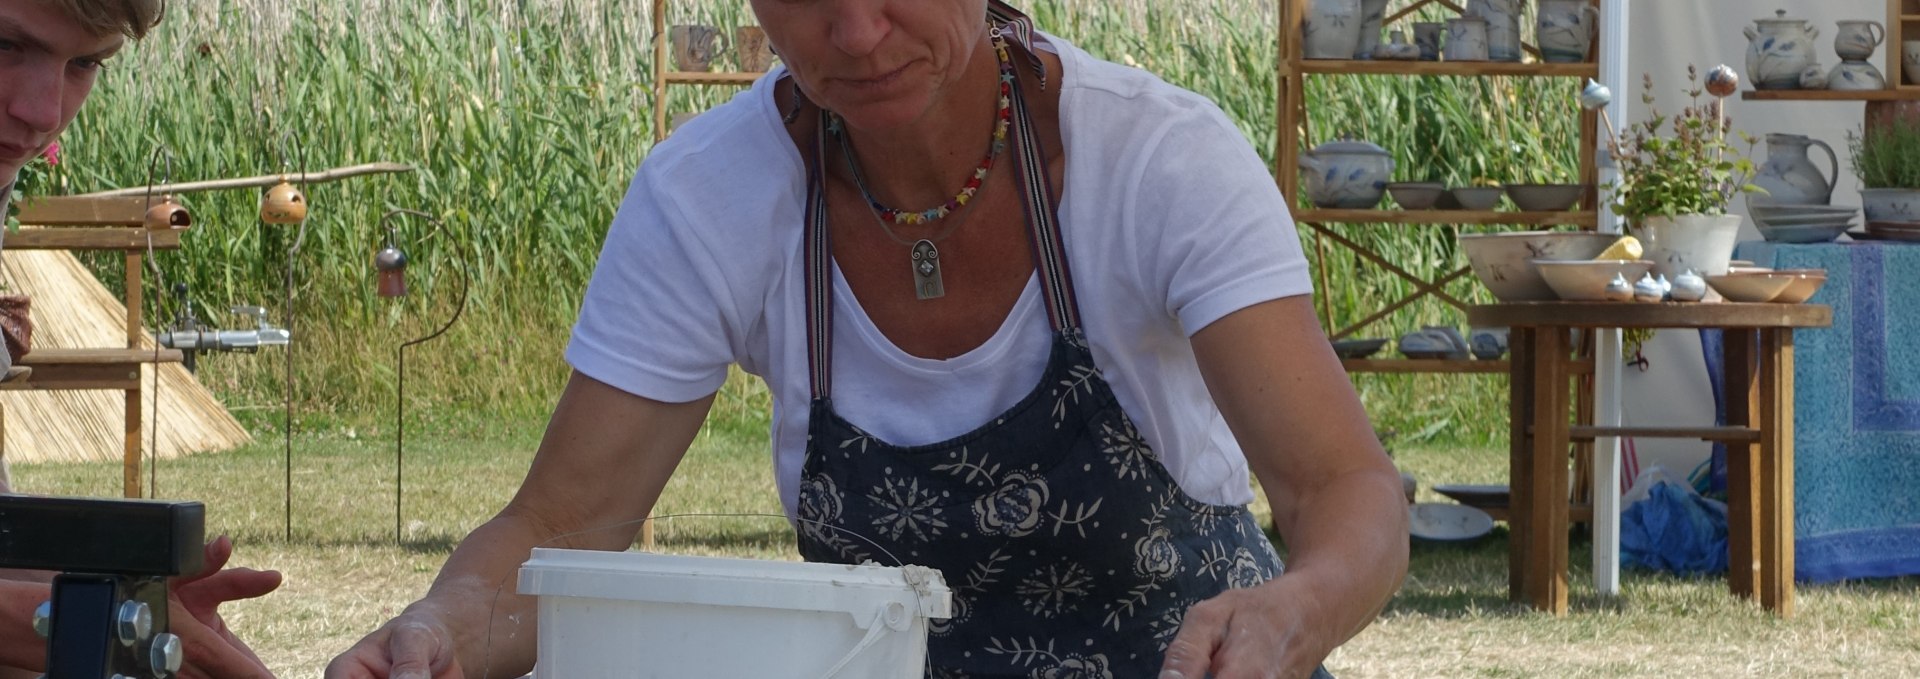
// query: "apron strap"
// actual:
[[1018, 29], [1036, 199], [819, 263]]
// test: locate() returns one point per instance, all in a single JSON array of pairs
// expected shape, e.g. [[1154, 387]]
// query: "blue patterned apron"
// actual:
[[1070, 550]]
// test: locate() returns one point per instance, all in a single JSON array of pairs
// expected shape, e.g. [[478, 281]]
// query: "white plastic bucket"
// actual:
[[633, 614]]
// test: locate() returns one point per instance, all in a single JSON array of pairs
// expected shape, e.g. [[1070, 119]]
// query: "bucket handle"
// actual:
[[874, 630]]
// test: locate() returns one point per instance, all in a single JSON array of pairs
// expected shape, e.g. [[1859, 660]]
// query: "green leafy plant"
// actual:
[[1680, 164], [1887, 156]]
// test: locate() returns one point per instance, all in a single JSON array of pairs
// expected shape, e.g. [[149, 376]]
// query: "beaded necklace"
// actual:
[[1001, 121]]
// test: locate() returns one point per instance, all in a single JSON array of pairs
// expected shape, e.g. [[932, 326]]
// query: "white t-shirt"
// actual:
[[1171, 221]]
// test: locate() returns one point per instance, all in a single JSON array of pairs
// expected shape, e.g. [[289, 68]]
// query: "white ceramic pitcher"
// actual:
[[1789, 175]]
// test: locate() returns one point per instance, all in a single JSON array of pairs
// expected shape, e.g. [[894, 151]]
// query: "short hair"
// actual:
[[132, 18]]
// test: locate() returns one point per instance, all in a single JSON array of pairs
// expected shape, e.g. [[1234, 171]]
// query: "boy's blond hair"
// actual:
[[132, 18]]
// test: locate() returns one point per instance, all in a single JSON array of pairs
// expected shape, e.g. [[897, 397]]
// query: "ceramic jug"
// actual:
[[1789, 175], [1331, 29], [1348, 174], [695, 46], [1857, 40], [1372, 14], [1503, 27], [1856, 75], [1778, 49], [1565, 30]]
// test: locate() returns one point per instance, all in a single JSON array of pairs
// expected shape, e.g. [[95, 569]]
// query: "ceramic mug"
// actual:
[[755, 53], [694, 46], [1856, 40], [1467, 39], [1426, 34], [1910, 61]]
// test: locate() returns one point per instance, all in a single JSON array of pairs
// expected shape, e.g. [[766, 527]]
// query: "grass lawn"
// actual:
[[345, 574]]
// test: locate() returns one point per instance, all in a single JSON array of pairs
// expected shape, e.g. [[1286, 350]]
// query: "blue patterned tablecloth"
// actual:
[[1856, 411]]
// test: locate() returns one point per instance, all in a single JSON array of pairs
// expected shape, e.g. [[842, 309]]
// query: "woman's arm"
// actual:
[[1336, 499], [606, 456]]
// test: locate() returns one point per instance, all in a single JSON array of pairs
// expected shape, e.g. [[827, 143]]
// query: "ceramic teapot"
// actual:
[[1778, 49], [1347, 174], [1789, 175]]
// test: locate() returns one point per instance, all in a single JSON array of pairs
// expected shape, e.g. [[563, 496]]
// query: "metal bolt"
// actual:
[[43, 619], [166, 655], [135, 622]]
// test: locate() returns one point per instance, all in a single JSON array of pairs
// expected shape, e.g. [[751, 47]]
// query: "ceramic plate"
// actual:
[[1800, 210], [1802, 220], [1476, 495], [1442, 522], [1358, 348]]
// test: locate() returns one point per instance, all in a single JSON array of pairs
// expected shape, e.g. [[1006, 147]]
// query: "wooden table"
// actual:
[[1758, 435]]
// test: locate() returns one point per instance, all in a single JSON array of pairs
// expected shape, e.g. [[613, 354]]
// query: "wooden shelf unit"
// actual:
[[1295, 68], [1909, 93], [113, 224], [663, 78], [1903, 24]]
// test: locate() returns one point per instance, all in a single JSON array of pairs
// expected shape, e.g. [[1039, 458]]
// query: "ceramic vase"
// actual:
[[1789, 175], [1372, 14], [1910, 61], [1565, 30], [1701, 243], [1503, 27], [1778, 49], [1467, 39], [1331, 29]]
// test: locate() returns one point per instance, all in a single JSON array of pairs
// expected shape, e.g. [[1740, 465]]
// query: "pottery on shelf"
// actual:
[[1348, 174], [1467, 39], [1397, 48], [1814, 77], [1565, 29], [1372, 14], [1856, 76], [1618, 289], [1857, 40], [1910, 61], [1689, 287], [1789, 175], [1778, 49], [1426, 36], [1648, 290], [1435, 342], [1489, 344], [1503, 27], [1331, 29]]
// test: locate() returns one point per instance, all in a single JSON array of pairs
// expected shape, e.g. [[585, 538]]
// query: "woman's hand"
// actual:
[[1266, 632], [412, 646]]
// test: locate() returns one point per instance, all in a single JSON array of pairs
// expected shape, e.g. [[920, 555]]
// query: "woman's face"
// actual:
[[878, 63]]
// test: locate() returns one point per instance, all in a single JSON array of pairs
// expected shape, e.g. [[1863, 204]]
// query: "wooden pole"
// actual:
[[262, 181]]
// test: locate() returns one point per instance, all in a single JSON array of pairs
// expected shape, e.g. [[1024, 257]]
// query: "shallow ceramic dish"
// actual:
[[1800, 210], [1504, 261], [1545, 197], [1358, 348], [1447, 523], [1478, 199], [1805, 283], [1578, 281], [1416, 195], [1751, 287], [1802, 233], [1798, 220], [1478, 496]]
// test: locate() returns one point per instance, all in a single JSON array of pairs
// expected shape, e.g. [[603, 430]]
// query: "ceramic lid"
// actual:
[[1351, 146], [1780, 17]]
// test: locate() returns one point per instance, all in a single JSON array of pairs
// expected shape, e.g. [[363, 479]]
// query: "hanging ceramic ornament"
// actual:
[[283, 204], [392, 265], [167, 215]]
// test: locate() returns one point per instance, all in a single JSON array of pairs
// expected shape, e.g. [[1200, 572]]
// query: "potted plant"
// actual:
[[1678, 174], [1887, 160]]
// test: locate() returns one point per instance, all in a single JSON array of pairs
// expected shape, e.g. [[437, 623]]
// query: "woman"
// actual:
[[930, 211]]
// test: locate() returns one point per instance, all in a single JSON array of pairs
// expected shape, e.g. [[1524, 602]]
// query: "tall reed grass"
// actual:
[[527, 117]]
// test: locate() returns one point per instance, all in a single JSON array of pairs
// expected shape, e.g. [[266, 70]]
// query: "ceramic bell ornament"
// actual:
[[1619, 290], [1689, 287], [391, 264], [167, 214], [283, 204], [1648, 290]]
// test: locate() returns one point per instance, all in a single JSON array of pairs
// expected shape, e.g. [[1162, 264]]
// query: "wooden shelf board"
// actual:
[[1904, 94], [1726, 434], [1643, 315], [91, 238], [1442, 217], [41, 358], [1455, 68], [716, 78]]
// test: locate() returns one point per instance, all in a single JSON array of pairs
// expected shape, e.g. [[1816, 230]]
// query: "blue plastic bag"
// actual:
[[1674, 529]]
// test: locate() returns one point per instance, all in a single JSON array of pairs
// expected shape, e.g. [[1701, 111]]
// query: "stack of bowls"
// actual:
[[1802, 223], [1754, 285], [1504, 261]]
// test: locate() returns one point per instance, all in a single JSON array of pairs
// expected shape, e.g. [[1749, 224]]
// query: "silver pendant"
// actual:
[[926, 271]]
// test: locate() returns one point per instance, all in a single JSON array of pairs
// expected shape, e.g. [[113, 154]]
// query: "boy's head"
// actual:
[[50, 55]]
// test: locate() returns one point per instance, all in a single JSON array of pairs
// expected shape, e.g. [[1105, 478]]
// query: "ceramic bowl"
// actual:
[[1778, 210], [1358, 348], [1479, 198], [1440, 522], [1504, 261], [1805, 283], [1578, 281], [1751, 287], [1416, 195], [1815, 232], [1545, 197]]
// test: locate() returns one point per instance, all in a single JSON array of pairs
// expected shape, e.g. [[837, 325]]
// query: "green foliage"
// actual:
[[1887, 156], [1693, 170]]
